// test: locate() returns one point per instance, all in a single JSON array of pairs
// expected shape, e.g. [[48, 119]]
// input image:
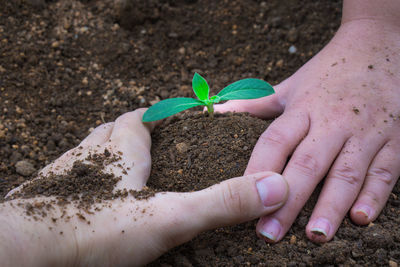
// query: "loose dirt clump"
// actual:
[[85, 184]]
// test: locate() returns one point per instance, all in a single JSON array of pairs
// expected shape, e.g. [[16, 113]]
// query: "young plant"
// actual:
[[243, 89]]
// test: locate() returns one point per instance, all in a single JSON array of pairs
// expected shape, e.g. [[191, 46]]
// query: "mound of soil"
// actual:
[[192, 151], [67, 65]]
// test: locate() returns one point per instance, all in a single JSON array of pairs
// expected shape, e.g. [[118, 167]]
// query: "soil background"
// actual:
[[66, 66]]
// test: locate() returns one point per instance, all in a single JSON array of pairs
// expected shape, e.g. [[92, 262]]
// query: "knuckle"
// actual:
[[232, 200], [373, 196], [347, 174], [127, 118], [307, 164], [382, 174], [124, 118], [274, 136], [103, 126]]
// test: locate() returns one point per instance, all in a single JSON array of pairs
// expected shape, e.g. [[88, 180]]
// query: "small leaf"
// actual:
[[246, 89], [215, 99], [200, 87], [168, 107]]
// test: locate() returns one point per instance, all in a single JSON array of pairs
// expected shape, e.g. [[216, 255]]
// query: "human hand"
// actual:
[[130, 231], [339, 119]]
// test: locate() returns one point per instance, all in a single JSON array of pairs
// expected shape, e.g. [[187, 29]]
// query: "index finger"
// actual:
[[276, 144], [131, 139]]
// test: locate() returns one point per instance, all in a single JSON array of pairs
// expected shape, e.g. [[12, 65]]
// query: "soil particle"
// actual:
[[182, 147], [356, 110], [24, 168]]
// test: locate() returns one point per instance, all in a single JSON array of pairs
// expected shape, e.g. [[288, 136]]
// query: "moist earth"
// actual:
[[67, 66], [192, 151]]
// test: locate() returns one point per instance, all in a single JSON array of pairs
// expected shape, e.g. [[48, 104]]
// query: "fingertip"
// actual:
[[317, 236], [269, 229], [225, 107], [361, 214], [265, 107], [273, 190], [319, 230], [150, 125]]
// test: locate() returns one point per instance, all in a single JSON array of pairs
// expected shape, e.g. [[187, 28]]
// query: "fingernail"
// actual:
[[321, 226], [272, 190], [271, 230], [364, 210]]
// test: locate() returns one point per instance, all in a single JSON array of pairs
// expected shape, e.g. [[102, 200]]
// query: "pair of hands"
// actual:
[[129, 231], [338, 117]]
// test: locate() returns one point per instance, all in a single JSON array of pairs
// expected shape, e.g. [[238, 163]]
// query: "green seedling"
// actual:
[[243, 89]]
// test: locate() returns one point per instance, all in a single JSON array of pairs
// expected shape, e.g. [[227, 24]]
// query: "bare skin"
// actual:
[[129, 232], [337, 117]]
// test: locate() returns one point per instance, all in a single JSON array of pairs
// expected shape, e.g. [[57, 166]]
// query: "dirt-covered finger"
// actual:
[[277, 143], [380, 180], [308, 165], [131, 139], [341, 187], [266, 107]]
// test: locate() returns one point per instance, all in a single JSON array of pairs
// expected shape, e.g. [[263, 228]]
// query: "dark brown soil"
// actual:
[[193, 151], [67, 65]]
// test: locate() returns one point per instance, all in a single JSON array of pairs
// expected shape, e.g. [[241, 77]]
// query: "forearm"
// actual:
[[386, 11], [10, 244], [109, 234]]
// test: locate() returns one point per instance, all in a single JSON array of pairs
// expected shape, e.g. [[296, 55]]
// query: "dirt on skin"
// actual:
[[67, 65], [85, 184]]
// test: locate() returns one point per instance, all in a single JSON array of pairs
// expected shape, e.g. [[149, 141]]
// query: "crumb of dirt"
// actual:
[[356, 110], [25, 168], [370, 67]]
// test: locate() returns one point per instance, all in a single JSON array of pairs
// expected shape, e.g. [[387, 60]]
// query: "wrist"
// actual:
[[383, 12], [372, 38], [26, 241]]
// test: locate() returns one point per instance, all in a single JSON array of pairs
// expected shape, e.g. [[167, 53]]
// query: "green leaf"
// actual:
[[200, 87], [215, 99], [246, 89], [168, 107]]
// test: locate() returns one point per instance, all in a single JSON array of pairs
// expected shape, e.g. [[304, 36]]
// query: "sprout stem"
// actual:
[[210, 109]]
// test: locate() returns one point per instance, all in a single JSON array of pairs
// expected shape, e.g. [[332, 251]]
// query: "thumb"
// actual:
[[231, 202], [266, 107], [239, 199]]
